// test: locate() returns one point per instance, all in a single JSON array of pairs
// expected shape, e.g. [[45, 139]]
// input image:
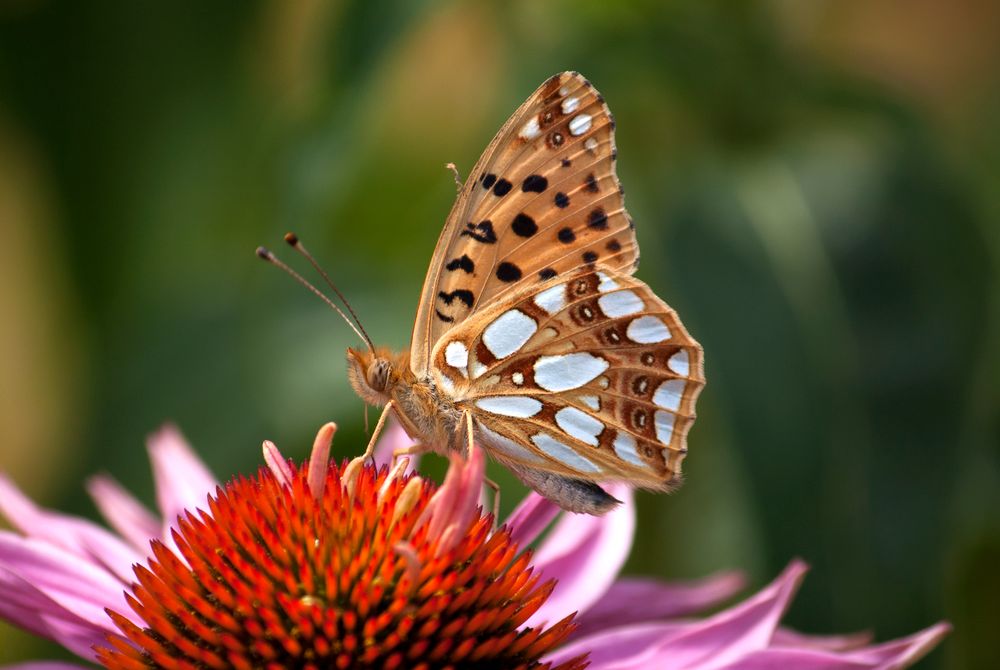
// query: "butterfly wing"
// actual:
[[542, 201], [590, 376]]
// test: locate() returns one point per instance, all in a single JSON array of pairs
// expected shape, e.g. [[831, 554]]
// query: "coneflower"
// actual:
[[357, 566]]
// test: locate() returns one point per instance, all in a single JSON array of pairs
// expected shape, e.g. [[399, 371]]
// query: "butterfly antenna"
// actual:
[[293, 241], [454, 172], [273, 260]]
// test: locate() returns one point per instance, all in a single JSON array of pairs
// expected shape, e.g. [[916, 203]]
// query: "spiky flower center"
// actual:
[[275, 576]]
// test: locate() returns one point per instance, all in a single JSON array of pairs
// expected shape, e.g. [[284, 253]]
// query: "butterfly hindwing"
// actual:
[[590, 374], [542, 201]]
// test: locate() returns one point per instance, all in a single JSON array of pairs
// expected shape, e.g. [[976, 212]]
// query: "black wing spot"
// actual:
[[502, 187], [562, 200], [614, 246], [446, 319], [589, 257], [547, 273], [591, 183], [566, 236], [508, 272], [462, 294], [566, 162], [488, 179], [534, 183], [598, 219], [464, 263], [524, 225], [481, 232]]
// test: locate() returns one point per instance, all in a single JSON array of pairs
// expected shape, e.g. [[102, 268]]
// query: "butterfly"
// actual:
[[532, 339]]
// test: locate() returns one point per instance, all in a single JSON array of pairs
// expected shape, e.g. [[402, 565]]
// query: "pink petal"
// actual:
[[711, 643], [632, 600], [86, 540], [786, 637], [798, 659], [904, 651], [319, 459], [585, 554], [531, 517], [44, 665], [277, 463], [454, 505], [182, 480], [28, 608], [393, 439], [128, 516], [78, 586], [737, 631]]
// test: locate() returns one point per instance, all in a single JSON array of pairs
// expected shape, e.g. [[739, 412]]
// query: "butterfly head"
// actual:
[[373, 373]]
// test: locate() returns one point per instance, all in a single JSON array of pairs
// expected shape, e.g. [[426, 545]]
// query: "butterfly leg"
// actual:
[[412, 450], [378, 429], [496, 500]]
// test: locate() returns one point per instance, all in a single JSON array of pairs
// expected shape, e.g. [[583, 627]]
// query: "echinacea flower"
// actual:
[[355, 566]]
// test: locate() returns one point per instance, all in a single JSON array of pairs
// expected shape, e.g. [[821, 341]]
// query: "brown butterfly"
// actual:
[[531, 337]]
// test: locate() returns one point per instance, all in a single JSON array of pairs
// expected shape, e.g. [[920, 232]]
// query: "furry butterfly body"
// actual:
[[531, 337]]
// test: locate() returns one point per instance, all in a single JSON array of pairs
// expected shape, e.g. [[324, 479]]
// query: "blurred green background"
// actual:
[[816, 187]]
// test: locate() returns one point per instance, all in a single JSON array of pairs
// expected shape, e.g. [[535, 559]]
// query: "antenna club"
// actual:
[[292, 239], [264, 253]]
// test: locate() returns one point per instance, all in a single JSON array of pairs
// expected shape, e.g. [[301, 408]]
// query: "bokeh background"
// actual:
[[816, 187]]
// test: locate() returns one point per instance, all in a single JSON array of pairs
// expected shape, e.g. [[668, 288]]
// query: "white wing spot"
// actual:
[[563, 453], [569, 371], [624, 445], [505, 445], [591, 401], [530, 130], [603, 382], [668, 395], [518, 406], [647, 330], [620, 303], [680, 363], [517, 378], [579, 424], [590, 144], [509, 333], [552, 299], [457, 356], [447, 385], [607, 283], [569, 105], [664, 427], [476, 368], [579, 124], [564, 90]]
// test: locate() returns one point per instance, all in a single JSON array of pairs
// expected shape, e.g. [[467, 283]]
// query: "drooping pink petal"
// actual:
[[394, 439], [182, 480], [904, 651], [77, 585], [585, 554], [27, 607], [319, 459], [710, 643], [632, 600], [87, 541], [797, 659], [530, 518], [133, 521], [44, 665], [786, 637], [277, 464]]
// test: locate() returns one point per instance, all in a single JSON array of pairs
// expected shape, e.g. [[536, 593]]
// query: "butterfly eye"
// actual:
[[378, 374]]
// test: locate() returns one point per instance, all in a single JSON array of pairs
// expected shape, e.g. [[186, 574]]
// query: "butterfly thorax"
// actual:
[[426, 414]]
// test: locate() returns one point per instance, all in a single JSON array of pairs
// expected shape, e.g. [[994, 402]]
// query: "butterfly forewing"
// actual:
[[589, 374], [542, 202]]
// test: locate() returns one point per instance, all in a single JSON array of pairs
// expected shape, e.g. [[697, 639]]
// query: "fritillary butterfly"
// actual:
[[531, 337]]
